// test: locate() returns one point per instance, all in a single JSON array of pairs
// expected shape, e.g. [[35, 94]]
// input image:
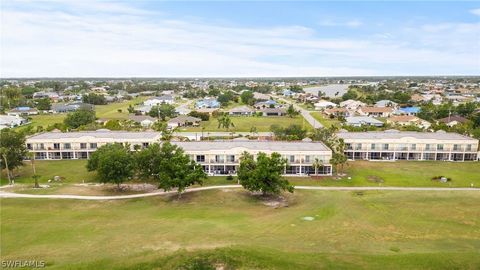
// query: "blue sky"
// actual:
[[237, 39]]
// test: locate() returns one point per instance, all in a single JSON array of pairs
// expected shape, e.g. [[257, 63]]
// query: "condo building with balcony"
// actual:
[[407, 145], [215, 157]]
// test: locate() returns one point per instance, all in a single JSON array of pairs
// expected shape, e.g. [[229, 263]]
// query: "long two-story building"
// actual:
[[215, 157], [407, 145]]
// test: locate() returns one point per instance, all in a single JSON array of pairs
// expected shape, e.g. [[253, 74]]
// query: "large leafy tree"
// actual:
[[113, 163], [12, 150], [162, 111], [263, 174], [169, 166], [82, 116], [44, 104], [291, 111], [247, 97]]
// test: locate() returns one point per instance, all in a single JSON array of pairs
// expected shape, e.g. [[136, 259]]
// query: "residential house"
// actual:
[[273, 111], [183, 121], [266, 104], [260, 96], [453, 120], [323, 104], [376, 111], [53, 96], [351, 104], [70, 107], [21, 111], [386, 103], [358, 121], [338, 112], [207, 104], [407, 120], [144, 120], [241, 111], [10, 121], [167, 99]]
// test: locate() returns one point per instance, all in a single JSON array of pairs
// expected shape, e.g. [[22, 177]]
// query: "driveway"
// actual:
[[305, 113]]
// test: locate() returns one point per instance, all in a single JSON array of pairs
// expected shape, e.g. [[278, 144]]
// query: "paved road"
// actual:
[[305, 113], [4, 194]]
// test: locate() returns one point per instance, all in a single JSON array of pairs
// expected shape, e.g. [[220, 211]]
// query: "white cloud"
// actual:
[[475, 11], [119, 40], [348, 23]]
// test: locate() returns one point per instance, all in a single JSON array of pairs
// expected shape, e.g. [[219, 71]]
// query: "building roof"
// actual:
[[385, 103], [452, 118], [103, 134], [184, 118], [403, 118], [395, 134], [253, 145], [376, 109], [140, 118], [362, 120], [241, 109]]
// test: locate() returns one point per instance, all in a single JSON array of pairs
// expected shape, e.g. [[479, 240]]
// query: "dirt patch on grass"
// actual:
[[375, 179]]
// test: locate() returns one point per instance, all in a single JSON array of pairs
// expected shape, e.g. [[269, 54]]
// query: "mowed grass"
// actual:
[[245, 124], [327, 122], [362, 173], [204, 230], [110, 111]]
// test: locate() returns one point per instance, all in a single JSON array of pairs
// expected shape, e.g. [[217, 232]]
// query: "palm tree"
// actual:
[[34, 176], [317, 164], [225, 122], [253, 130]]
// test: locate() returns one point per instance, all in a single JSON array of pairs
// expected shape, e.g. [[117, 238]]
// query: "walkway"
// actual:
[[305, 113], [4, 194]]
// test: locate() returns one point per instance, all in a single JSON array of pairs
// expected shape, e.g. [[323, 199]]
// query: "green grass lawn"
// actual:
[[204, 230], [324, 120], [110, 111], [362, 173], [244, 124]]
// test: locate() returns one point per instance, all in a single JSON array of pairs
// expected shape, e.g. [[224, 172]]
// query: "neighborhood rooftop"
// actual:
[[395, 134], [253, 145]]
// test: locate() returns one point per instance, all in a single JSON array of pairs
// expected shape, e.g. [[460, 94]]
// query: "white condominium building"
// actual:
[[215, 157], [407, 145]]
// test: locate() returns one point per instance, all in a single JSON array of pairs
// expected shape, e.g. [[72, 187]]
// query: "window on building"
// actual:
[[348, 146], [385, 146], [67, 146], [219, 159], [413, 146], [93, 145], [428, 147], [145, 144], [456, 147], [372, 146], [29, 146], [291, 158], [56, 146], [200, 158], [439, 146], [469, 147], [358, 146], [40, 146], [231, 158], [307, 158], [83, 146]]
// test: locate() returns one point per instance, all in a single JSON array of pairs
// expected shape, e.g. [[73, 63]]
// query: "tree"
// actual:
[[12, 151], [169, 166], [95, 99], [317, 164], [162, 111], [291, 111], [254, 130], [44, 104], [296, 88], [113, 163], [264, 174], [82, 116], [350, 94], [247, 97], [290, 133], [224, 121], [35, 177]]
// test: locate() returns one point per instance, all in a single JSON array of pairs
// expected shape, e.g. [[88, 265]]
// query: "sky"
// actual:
[[86, 38]]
